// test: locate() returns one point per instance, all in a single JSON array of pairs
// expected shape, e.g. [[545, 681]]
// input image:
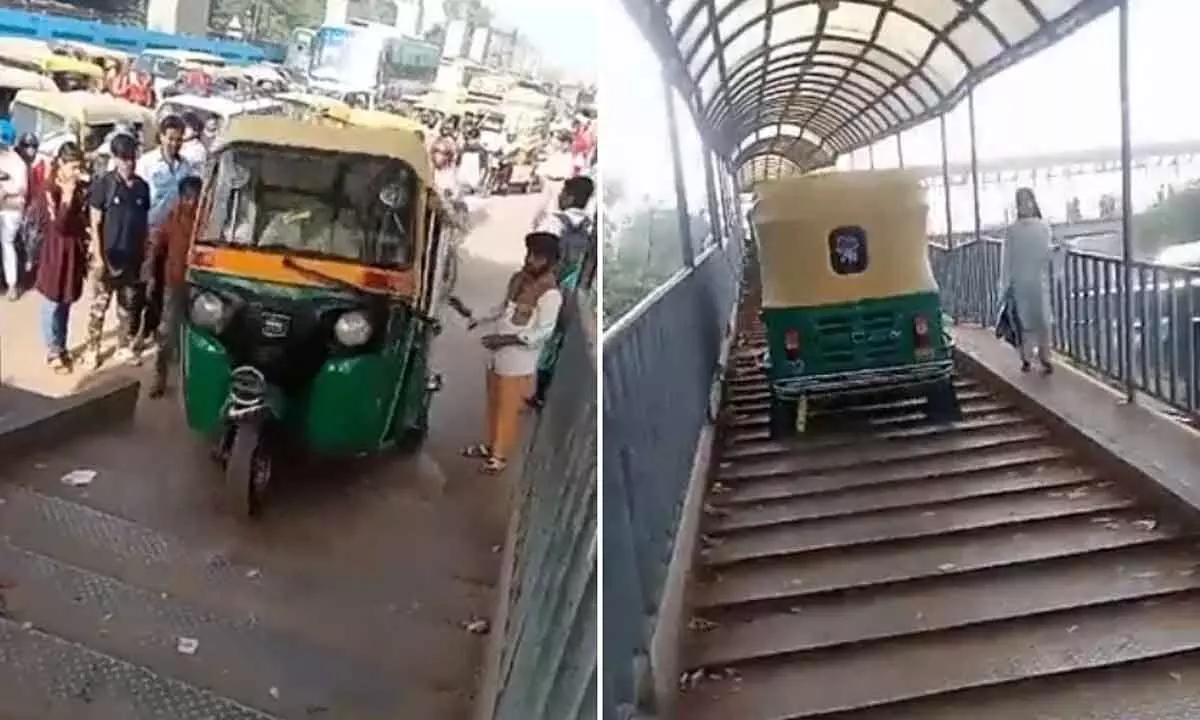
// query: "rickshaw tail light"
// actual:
[[791, 344], [921, 330]]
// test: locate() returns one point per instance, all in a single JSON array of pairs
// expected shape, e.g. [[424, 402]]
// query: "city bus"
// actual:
[[369, 58]]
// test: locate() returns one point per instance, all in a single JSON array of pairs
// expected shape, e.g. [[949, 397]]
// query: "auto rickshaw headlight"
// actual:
[[353, 329], [208, 311], [393, 196]]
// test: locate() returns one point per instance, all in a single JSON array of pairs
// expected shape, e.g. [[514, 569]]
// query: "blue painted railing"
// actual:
[[128, 38]]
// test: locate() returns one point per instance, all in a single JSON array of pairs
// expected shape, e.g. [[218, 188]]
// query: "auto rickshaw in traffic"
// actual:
[[315, 277], [517, 173], [849, 301], [88, 119], [216, 110], [14, 80], [68, 73]]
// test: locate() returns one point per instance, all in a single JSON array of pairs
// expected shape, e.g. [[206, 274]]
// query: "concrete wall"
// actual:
[[179, 16]]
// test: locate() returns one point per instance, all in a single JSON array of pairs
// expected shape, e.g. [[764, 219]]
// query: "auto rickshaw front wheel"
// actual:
[[247, 469], [784, 413]]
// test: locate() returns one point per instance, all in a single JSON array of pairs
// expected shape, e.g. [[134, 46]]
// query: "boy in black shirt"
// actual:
[[120, 206]]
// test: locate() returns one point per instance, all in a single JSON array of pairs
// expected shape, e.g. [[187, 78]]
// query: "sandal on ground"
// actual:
[[493, 466], [1025, 366], [477, 451]]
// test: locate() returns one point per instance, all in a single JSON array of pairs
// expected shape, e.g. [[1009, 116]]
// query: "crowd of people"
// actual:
[[467, 160], [122, 234]]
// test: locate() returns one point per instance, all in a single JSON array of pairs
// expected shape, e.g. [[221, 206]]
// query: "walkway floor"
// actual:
[[1144, 437], [358, 595]]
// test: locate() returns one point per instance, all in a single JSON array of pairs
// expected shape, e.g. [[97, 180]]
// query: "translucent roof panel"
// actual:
[[849, 72], [764, 167], [780, 142]]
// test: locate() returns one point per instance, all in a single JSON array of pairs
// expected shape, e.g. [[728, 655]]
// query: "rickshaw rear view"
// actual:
[[849, 300]]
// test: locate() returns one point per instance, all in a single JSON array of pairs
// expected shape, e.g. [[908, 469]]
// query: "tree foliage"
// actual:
[[640, 254], [1174, 219], [275, 18], [475, 12]]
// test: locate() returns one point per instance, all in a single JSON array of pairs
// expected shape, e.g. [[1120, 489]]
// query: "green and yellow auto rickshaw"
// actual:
[[849, 300], [316, 272]]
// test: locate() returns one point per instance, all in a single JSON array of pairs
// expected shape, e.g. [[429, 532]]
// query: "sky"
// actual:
[[1064, 98], [564, 30]]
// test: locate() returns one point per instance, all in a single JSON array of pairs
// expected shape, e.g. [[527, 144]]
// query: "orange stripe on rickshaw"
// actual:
[[269, 267]]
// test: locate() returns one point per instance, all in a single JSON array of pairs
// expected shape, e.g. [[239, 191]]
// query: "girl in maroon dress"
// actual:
[[60, 213]]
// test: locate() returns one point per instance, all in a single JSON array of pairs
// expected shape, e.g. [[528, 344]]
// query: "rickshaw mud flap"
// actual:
[[865, 381]]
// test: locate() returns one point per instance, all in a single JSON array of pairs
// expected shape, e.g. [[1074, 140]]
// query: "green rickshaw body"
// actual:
[[849, 300], [319, 262], [343, 406]]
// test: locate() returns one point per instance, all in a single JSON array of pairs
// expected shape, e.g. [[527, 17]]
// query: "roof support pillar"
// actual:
[[974, 166], [946, 182], [715, 208], [900, 149], [685, 226], [871, 156], [1126, 202], [177, 16]]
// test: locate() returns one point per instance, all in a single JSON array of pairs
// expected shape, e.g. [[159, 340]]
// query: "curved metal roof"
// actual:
[[828, 76], [758, 168]]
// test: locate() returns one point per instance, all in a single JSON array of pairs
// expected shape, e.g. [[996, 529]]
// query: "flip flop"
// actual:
[[477, 451], [493, 466]]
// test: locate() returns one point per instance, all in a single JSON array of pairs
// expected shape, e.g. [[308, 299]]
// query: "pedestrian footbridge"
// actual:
[[1037, 558]]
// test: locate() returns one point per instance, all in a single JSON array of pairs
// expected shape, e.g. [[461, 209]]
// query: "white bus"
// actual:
[[360, 57]]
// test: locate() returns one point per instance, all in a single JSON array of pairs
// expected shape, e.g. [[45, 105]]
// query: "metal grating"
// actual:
[[824, 77]]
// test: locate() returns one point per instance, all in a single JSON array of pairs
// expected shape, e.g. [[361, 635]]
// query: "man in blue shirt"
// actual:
[[120, 206], [163, 168]]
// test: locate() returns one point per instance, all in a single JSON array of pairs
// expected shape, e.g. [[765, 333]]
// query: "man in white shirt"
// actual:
[[14, 187], [162, 169], [554, 170]]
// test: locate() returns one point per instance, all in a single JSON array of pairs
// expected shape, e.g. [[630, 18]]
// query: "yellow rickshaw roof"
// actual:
[[794, 222], [800, 196], [40, 54], [67, 64], [86, 107], [95, 51], [329, 107], [286, 132], [11, 77], [381, 119]]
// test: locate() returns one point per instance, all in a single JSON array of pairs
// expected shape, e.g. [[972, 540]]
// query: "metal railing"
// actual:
[[1087, 296], [659, 366], [547, 667]]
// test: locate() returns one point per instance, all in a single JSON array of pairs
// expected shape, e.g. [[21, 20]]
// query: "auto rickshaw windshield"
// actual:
[[314, 204]]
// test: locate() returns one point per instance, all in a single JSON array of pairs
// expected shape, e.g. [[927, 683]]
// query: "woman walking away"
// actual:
[[520, 326], [60, 215], [1024, 272]]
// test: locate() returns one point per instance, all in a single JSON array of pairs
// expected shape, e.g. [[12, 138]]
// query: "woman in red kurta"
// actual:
[[60, 213]]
